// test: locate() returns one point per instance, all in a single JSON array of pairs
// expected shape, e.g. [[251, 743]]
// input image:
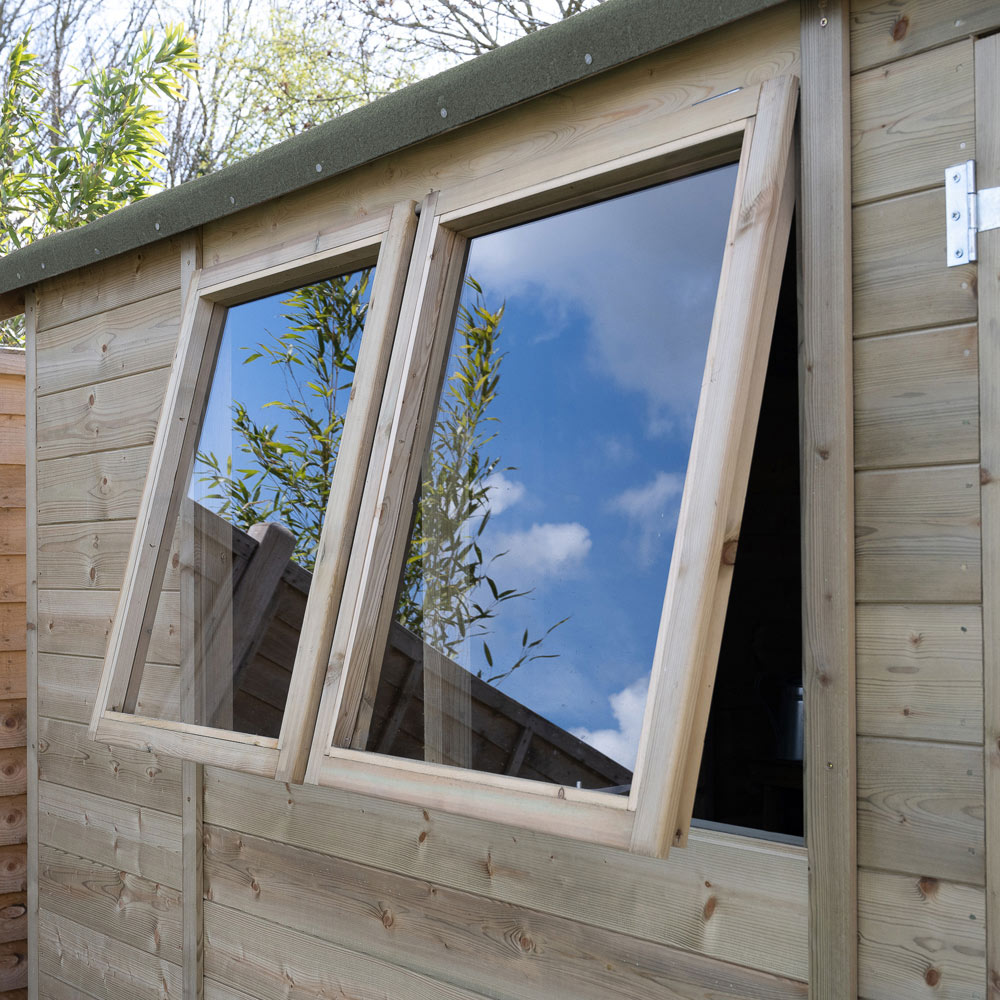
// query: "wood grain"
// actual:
[[920, 809], [66, 756], [901, 281], [122, 413], [67, 687], [910, 120], [918, 535], [104, 286], [135, 338], [919, 937], [130, 838], [920, 671], [78, 623], [452, 935], [916, 399], [884, 30], [103, 967], [104, 486], [664, 901], [124, 906]]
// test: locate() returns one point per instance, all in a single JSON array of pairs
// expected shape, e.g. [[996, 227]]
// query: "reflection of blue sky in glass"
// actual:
[[608, 311], [255, 384]]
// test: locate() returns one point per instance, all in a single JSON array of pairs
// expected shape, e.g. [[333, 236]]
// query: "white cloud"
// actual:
[[629, 707], [503, 492], [653, 510], [545, 549], [642, 270]]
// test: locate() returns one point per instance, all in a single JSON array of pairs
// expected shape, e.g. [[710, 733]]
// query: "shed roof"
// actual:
[[596, 40]]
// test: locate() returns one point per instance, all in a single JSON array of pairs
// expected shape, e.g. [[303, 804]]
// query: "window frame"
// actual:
[[657, 812], [384, 241]]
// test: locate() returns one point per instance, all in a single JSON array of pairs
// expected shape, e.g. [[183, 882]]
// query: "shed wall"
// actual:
[[309, 891], [921, 843], [327, 890]]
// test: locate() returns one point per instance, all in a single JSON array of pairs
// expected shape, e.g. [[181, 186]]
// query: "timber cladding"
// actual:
[[13, 682], [922, 902], [309, 891]]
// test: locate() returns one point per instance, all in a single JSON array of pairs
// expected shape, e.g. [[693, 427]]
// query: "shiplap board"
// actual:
[[910, 120], [920, 671], [916, 399], [886, 30], [66, 756], [758, 918], [130, 277], [134, 338], [918, 535], [920, 938], [901, 281], [131, 838], [920, 808]]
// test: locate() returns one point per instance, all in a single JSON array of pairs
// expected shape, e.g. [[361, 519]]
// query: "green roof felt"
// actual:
[[614, 33]]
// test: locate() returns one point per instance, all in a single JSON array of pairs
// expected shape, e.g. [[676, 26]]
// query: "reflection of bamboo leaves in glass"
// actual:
[[287, 471], [448, 594]]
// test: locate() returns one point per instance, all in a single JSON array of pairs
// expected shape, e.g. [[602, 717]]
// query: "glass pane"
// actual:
[[244, 545], [543, 527]]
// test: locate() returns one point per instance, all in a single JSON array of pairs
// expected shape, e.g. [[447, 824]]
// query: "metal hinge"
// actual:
[[969, 211]]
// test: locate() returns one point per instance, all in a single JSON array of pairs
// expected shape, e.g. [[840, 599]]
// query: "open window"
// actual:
[[256, 442], [442, 635], [467, 639]]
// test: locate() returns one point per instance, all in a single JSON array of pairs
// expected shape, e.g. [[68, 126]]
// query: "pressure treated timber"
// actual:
[[106, 285], [127, 907], [759, 919], [910, 120], [105, 485], [649, 101], [920, 809], [122, 413], [283, 960], [138, 337], [885, 30], [916, 399], [920, 938], [103, 967], [67, 686], [68, 757], [920, 671], [988, 175], [90, 555], [900, 278], [918, 535], [79, 622], [134, 839], [396, 919]]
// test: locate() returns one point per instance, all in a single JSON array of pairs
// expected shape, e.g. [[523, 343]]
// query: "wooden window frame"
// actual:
[[658, 809], [385, 242]]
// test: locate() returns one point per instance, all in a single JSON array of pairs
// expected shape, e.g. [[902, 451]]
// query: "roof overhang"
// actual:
[[600, 39]]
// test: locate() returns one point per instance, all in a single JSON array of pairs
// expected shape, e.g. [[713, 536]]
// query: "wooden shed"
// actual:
[[667, 333]]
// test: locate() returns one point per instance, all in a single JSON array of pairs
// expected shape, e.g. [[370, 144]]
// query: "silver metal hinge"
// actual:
[[969, 211]]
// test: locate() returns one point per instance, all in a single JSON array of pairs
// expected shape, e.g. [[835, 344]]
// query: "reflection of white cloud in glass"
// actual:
[[545, 549], [503, 492], [621, 744], [653, 510], [649, 310]]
